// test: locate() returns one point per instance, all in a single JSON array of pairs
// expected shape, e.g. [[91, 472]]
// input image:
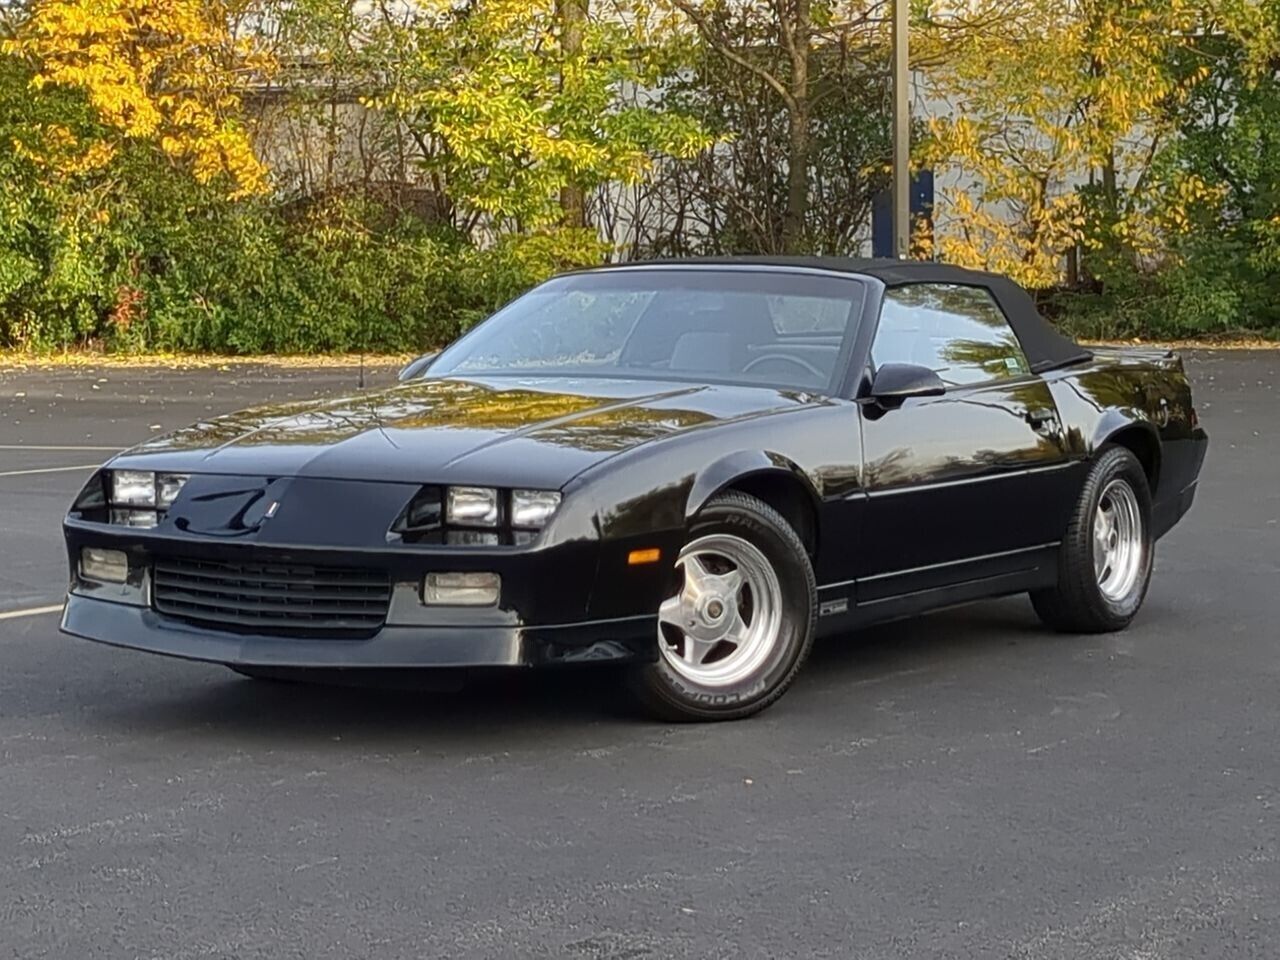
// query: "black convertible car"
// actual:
[[686, 468]]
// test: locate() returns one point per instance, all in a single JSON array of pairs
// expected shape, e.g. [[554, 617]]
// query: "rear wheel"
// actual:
[[739, 621], [1104, 567]]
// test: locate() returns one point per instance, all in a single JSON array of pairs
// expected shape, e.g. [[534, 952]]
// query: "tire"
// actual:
[[1087, 599], [768, 620]]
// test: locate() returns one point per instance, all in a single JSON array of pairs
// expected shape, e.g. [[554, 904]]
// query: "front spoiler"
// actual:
[[141, 628]]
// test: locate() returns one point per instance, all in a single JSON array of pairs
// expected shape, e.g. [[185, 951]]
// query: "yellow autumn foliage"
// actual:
[[164, 71], [1050, 97]]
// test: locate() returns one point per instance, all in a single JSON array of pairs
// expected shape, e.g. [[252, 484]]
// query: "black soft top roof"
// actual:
[[1044, 346]]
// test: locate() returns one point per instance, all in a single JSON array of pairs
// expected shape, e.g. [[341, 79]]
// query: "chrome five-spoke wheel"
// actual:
[[1104, 560], [1118, 540], [724, 621], [737, 619]]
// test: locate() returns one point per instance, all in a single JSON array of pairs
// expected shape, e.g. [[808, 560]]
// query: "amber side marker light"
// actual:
[[637, 557]]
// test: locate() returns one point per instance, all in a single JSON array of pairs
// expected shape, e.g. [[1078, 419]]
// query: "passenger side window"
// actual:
[[958, 332]]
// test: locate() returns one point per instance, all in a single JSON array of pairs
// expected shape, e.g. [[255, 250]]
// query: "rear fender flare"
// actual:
[[1121, 427], [1119, 419]]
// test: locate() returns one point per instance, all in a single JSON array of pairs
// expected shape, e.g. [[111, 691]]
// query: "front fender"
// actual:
[[739, 466]]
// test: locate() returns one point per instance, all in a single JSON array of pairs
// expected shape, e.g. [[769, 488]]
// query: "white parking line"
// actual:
[[29, 612], [26, 473], [44, 446]]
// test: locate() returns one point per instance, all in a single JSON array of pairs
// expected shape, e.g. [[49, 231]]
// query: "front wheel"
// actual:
[[1104, 566], [739, 621]]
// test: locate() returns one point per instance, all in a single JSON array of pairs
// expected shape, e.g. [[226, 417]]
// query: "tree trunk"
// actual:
[[793, 223], [798, 134], [573, 17], [1110, 188]]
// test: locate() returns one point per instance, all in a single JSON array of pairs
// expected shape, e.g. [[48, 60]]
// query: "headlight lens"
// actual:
[[531, 509], [472, 507], [168, 486], [133, 488]]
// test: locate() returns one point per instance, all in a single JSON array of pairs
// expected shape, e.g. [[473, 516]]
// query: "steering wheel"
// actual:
[[804, 365]]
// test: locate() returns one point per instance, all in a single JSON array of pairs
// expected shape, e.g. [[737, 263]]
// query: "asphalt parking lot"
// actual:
[[965, 785]]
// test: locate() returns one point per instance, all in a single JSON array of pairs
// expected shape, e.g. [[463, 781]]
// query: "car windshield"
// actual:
[[763, 327]]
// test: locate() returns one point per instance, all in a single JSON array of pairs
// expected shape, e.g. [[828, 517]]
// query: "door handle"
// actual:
[[1041, 420]]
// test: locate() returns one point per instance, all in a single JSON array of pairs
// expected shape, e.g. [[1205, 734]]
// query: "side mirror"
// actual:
[[896, 382], [416, 368]]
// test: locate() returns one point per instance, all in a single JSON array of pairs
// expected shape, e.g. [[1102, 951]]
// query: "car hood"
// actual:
[[502, 431]]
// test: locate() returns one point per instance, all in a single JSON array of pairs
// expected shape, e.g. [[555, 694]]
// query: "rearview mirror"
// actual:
[[416, 368], [896, 382]]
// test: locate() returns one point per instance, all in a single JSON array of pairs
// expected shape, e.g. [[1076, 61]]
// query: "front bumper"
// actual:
[[561, 602], [141, 628]]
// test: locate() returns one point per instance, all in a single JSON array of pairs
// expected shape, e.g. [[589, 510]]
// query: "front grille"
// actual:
[[279, 598]]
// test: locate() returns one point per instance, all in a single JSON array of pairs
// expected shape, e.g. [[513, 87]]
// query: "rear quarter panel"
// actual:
[[1134, 390]]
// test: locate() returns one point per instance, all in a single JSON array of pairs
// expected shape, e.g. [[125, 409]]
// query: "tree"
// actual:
[[734, 198], [166, 72], [1218, 179], [573, 16], [800, 52], [1054, 124], [517, 113], [1229, 128]]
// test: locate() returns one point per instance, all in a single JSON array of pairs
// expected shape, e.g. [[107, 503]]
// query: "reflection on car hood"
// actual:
[[529, 431]]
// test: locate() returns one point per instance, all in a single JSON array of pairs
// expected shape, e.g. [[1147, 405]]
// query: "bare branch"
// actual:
[[726, 50]]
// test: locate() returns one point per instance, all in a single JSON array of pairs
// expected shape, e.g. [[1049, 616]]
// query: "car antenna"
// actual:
[[364, 345]]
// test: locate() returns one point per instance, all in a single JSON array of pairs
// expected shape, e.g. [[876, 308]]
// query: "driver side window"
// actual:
[[958, 332]]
